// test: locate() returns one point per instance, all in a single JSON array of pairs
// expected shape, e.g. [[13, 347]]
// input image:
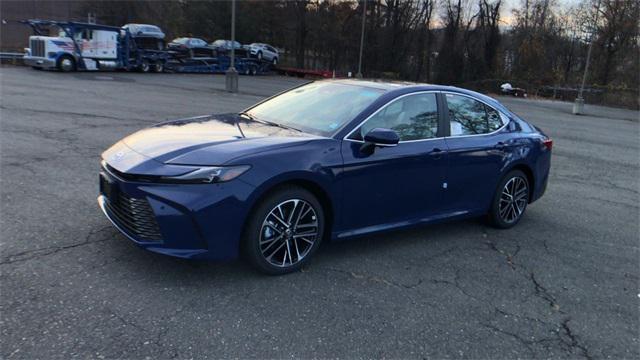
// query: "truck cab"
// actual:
[[68, 46]]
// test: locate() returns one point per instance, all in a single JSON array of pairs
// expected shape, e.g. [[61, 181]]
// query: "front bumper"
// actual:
[[39, 62], [196, 221]]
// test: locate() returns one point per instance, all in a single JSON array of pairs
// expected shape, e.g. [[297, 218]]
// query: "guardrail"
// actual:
[[11, 58]]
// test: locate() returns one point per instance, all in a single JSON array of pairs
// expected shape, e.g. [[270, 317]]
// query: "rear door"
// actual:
[[400, 185], [478, 143]]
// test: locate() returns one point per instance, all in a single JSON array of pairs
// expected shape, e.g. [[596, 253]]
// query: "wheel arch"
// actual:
[[526, 169], [314, 187]]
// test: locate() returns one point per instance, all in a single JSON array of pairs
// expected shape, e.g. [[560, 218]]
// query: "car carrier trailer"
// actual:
[[217, 65], [83, 46]]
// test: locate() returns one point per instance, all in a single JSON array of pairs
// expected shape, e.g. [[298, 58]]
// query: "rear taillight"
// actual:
[[548, 143]]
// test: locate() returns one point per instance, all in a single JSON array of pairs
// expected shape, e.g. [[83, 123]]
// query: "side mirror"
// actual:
[[379, 137], [382, 137]]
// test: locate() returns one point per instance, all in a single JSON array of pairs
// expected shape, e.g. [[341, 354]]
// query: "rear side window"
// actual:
[[471, 117], [413, 117]]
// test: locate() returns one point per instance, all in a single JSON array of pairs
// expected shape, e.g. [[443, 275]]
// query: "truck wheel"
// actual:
[[144, 67], [66, 63], [158, 67], [254, 70]]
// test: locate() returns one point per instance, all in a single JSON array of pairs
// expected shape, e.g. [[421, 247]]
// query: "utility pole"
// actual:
[[364, 18], [578, 105], [231, 76]]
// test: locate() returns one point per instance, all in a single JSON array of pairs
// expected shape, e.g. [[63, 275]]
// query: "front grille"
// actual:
[[135, 216], [37, 48]]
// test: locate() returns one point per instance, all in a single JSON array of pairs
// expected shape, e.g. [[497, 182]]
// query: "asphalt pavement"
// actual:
[[564, 283]]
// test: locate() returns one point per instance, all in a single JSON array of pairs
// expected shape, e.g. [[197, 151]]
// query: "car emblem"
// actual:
[[117, 156]]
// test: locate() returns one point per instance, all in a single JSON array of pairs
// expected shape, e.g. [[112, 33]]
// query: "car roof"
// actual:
[[404, 87]]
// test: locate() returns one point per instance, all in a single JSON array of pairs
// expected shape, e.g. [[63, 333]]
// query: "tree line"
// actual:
[[441, 41]]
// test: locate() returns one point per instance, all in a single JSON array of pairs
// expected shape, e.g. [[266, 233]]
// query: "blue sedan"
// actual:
[[325, 161]]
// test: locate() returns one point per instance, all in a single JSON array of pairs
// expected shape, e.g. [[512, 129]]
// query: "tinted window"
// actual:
[[471, 117], [413, 117], [493, 118], [318, 108]]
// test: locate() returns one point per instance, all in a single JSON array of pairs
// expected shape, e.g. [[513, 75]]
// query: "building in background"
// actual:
[[14, 37]]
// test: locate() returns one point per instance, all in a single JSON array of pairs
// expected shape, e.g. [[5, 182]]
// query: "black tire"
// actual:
[[259, 55], [158, 67], [66, 63], [144, 66], [274, 62], [258, 251], [505, 212]]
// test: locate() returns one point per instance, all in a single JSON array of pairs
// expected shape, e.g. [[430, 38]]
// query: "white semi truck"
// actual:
[[80, 46]]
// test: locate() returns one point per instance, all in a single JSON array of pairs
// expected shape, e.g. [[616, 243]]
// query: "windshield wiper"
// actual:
[[272, 123]]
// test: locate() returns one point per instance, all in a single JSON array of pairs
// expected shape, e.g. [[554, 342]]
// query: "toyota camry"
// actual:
[[325, 161]]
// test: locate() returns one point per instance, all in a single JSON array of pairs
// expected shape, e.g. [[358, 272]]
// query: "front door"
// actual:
[[400, 185]]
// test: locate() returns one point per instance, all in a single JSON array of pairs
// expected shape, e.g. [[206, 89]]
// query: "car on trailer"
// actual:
[[191, 47], [264, 52], [226, 45], [147, 48]]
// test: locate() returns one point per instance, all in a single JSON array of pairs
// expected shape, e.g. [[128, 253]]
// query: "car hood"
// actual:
[[201, 141]]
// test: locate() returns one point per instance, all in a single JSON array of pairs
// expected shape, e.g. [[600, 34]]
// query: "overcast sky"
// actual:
[[509, 5]]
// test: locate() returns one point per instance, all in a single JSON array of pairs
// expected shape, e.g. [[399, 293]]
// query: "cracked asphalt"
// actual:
[[564, 283]]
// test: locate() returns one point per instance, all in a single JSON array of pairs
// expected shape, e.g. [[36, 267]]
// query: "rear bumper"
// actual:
[[196, 221], [39, 62]]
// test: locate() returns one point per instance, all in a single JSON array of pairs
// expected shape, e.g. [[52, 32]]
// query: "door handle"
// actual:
[[436, 153]]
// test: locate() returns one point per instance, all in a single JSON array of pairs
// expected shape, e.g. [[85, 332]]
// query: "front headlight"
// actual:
[[210, 174]]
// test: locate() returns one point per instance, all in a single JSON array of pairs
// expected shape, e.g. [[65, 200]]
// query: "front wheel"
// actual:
[[510, 200], [66, 63], [284, 231]]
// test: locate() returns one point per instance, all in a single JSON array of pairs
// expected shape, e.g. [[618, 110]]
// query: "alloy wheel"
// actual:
[[288, 233], [513, 199]]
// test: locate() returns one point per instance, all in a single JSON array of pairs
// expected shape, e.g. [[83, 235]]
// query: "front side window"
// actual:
[[471, 117], [318, 108], [413, 117]]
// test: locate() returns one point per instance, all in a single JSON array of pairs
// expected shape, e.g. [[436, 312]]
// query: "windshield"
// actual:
[[318, 108], [181, 40]]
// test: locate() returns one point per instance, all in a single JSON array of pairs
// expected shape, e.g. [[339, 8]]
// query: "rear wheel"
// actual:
[[284, 231], [510, 200], [66, 63], [158, 67], [144, 66]]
